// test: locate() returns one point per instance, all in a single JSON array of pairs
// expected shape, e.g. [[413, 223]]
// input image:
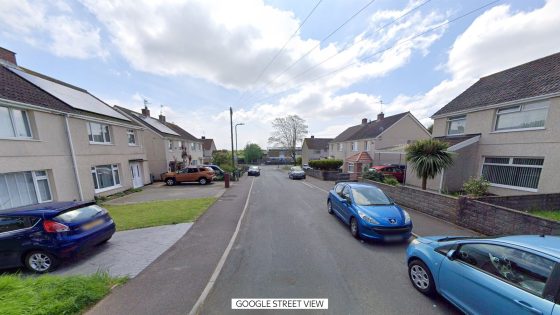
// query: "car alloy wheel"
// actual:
[[329, 207], [202, 181], [170, 182], [39, 262], [421, 277], [354, 228]]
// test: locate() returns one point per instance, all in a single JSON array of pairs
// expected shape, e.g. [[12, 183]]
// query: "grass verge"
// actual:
[[53, 294], [155, 213], [552, 215]]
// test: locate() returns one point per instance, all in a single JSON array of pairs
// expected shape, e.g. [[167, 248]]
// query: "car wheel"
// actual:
[[170, 181], [40, 261], [421, 277], [329, 207], [202, 181], [354, 229]]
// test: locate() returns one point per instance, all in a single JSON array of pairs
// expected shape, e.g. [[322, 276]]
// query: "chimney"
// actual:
[[380, 116], [203, 137], [146, 111], [7, 55], [312, 137], [364, 121], [162, 118]]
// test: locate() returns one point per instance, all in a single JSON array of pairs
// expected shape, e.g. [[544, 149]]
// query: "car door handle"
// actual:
[[528, 307]]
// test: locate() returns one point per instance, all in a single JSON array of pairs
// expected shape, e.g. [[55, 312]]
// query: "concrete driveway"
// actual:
[[160, 191]]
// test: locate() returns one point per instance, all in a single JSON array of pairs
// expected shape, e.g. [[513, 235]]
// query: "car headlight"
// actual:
[[414, 242], [406, 217], [366, 218]]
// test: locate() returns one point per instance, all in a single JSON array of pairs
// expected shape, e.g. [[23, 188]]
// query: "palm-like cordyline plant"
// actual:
[[428, 158]]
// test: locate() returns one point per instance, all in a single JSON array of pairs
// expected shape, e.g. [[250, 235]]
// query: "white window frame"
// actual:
[[14, 126], [104, 142], [456, 118], [366, 145], [354, 146], [513, 165], [193, 146], [132, 132], [36, 178], [352, 166], [170, 145], [113, 168], [520, 109], [340, 146]]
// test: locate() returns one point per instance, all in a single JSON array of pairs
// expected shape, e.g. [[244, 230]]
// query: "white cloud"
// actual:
[[52, 27], [498, 39]]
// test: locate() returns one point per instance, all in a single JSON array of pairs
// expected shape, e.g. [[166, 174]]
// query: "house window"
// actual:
[[105, 177], [350, 167], [355, 146], [527, 116], [170, 145], [513, 172], [183, 145], [193, 148], [14, 123], [24, 188], [366, 145], [199, 147], [456, 125], [131, 137], [98, 133], [317, 151], [340, 146]]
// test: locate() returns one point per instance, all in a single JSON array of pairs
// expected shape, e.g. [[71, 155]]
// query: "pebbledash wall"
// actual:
[[477, 214]]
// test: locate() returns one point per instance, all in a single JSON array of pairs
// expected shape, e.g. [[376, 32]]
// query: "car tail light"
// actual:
[[54, 227]]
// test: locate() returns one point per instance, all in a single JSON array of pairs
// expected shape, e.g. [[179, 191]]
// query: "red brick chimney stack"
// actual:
[[8, 55]]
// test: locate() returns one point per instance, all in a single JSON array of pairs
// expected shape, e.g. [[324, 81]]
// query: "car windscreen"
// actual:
[[254, 168], [80, 214], [297, 168], [370, 196]]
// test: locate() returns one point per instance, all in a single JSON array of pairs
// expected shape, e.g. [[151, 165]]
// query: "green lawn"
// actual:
[[53, 294], [553, 215], [155, 213]]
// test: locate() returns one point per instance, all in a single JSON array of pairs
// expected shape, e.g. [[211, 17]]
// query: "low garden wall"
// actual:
[[474, 213], [328, 175], [526, 202]]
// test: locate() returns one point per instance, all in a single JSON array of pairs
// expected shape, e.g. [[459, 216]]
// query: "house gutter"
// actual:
[[72, 153]]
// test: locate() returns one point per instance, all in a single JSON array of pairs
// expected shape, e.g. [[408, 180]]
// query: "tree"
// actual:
[[431, 128], [221, 157], [428, 158], [288, 132], [253, 152]]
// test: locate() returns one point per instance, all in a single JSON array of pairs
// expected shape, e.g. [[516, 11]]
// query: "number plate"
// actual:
[[393, 238], [91, 225]]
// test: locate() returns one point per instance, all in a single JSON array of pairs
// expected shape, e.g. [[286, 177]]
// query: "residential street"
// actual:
[[290, 247]]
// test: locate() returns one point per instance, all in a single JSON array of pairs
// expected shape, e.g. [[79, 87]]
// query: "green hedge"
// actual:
[[327, 165]]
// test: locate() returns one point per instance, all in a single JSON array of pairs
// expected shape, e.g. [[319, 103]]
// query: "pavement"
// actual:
[[127, 253], [160, 191], [173, 282]]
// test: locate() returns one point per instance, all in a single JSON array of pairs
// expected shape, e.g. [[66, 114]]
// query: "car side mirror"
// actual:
[[348, 200], [451, 254]]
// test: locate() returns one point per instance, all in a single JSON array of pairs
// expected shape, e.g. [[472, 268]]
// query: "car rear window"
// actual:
[[80, 214]]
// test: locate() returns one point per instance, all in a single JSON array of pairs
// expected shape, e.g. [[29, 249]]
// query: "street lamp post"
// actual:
[[239, 124]]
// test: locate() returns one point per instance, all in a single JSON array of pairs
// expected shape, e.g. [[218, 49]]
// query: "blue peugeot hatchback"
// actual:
[[501, 275], [369, 212], [38, 236]]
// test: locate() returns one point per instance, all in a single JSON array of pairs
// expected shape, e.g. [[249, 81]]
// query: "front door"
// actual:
[[136, 172]]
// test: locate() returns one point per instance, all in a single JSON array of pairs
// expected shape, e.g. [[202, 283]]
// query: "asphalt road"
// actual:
[[290, 247]]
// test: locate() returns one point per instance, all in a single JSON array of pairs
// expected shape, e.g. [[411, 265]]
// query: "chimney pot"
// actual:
[[146, 111], [8, 56], [162, 118], [380, 116], [364, 121], [203, 137], [312, 137]]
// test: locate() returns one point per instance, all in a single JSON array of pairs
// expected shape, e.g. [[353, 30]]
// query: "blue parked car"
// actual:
[[501, 275], [369, 212], [38, 236]]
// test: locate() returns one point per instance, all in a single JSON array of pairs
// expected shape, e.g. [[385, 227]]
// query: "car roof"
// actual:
[[543, 243], [357, 184], [47, 207]]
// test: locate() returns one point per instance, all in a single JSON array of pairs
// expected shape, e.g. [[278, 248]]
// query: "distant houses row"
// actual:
[[505, 128], [59, 142]]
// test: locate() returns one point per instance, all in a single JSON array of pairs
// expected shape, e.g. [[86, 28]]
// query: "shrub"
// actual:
[[476, 186], [374, 175], [328, 165], [390, 180], [298, 160]]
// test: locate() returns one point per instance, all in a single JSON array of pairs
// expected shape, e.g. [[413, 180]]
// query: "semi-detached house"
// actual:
[[505, 128], [58, 142]]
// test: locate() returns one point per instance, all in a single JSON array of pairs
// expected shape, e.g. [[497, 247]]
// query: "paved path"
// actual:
[[127, 253], [159, 191], [173, 283]]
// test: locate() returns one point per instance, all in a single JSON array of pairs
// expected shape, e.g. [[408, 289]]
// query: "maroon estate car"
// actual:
[[391, 170]]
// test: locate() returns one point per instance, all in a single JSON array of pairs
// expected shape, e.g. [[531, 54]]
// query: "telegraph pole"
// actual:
[[231, 126]]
